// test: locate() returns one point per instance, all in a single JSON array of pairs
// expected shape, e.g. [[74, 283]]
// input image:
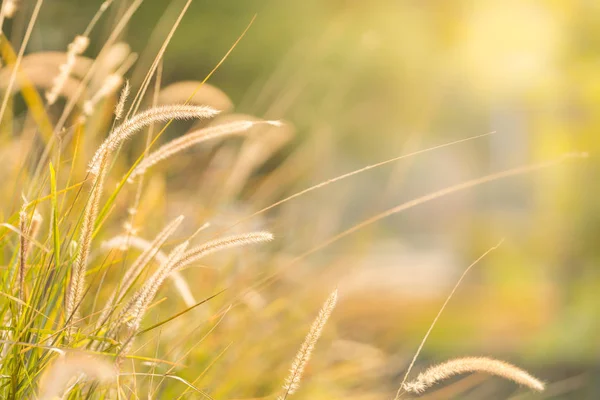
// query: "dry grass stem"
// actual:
[[414, 359], [292, 381], [143, 298], [150, 250], [184, 142], [134, 311], [439, 194], [77, 282], [149, 253], [472, 364], [131, 316], [123, 242], [152, 70], [103, 7], [143, 119], [213, 246]]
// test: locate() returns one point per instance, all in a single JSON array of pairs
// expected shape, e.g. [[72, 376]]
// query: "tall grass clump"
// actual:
[[120, 283]]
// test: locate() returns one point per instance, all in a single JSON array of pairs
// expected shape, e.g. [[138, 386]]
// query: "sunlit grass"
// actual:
[[101, 298]]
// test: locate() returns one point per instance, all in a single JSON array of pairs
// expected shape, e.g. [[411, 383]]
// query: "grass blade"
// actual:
[[54, 202]]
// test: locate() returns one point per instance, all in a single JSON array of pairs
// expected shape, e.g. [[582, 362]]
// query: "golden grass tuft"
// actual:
[[124, 242], [292, 382], [212, 246], [458, 366], [186, 141], [143, 119], [62, 299], [142, 299], [120, 107]]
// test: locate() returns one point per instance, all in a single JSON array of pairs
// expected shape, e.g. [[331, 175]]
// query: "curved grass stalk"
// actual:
[[137, 306], [77, 282], [151, 250], [213, 246], [157, 114], [292, 382], [472, 364], [186, 141], [414, 359]]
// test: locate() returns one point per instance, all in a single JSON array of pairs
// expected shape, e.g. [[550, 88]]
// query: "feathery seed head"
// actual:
[[292, 381], [213, 246], [147, 293], [153, 115], [149, 250], [198, 136], [458, 366], [120, 107]]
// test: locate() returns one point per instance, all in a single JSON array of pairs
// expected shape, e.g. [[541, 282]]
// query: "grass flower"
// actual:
[[458, 366], [292, 382], [143, 119]]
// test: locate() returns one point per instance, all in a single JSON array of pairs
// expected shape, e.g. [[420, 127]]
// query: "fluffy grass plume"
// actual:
[[142, 299], [120, 107], [141, 261], [458, 366], [186, 141], [124, 242], [76, 286], [80, 322], [178, 259], [196, 253], [157, 114], [292, 382]]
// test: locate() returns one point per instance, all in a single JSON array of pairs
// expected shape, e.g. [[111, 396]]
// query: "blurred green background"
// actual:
[[365, 81]]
